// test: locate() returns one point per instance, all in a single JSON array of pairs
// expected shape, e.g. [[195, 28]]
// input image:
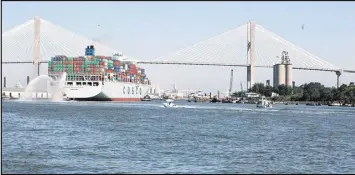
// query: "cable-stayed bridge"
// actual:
[[37, 40]]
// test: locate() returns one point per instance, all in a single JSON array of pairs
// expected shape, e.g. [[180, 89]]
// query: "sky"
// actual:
[[147, 30]]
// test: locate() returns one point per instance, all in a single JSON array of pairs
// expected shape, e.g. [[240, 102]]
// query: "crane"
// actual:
[[231, 83]]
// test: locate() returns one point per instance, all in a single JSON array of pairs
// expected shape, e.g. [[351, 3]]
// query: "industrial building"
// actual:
[[283, 71]]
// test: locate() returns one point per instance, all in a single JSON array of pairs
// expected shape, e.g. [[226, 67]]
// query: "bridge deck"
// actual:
[[199, 64]]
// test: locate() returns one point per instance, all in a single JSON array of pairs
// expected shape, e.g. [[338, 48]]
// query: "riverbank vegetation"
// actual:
[[314, 92]]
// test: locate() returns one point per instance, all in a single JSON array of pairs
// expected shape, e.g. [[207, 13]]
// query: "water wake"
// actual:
[[56, 87]]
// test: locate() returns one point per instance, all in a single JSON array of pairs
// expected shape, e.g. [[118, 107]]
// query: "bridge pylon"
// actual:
[[251, 54], [338, 73], [36, 51]]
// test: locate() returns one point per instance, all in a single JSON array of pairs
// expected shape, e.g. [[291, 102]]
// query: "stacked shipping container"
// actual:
[[111, 68]]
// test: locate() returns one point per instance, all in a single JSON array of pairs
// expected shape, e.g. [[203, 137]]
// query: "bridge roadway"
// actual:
[[197, 64]]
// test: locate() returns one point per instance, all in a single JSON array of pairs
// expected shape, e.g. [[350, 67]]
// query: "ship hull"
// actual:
[[108, 91]]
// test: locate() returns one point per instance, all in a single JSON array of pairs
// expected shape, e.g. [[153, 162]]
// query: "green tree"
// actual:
[[238, 94], [313, 91], [268, 91], [284, 90], [258, 88]]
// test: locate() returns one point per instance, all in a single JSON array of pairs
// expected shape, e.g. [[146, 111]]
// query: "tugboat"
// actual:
[[65, 98], [146, 98]]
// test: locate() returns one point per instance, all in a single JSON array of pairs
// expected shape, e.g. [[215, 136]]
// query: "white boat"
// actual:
[[169, 104], [334, 104], [263, 103]]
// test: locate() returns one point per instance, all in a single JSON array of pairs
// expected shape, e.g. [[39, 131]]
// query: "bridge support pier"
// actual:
[[338, 73]]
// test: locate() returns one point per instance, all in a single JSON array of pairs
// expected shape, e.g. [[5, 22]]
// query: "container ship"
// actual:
[[100, 78]]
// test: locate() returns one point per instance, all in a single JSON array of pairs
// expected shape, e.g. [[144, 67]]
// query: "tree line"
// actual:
[[313, 91]]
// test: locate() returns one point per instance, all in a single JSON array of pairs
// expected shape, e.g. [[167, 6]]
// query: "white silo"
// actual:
[[279, 74], [288, 74], [288, 67]]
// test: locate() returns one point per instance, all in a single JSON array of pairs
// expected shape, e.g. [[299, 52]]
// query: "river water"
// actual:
[[97, 137]]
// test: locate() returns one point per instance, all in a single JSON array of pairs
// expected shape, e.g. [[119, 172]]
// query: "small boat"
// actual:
[[65, 98], [169, 104], [263, 103], [310, 104], [227, 100], [146, 98], [215, 100], [334, 104]]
